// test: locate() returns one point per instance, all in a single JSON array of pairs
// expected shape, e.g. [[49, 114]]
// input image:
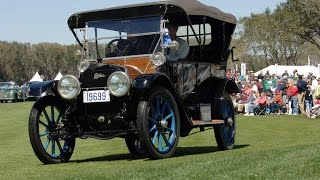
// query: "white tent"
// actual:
[[58, 76], [279, 70], [36, 77]]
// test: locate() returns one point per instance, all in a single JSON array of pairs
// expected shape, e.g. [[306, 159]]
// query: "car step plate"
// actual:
[[96, 96], [214, 121]]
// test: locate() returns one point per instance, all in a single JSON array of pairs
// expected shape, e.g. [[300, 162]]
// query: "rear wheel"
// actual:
[[225, 133], [158, 123], [134, 145], [48, 134]]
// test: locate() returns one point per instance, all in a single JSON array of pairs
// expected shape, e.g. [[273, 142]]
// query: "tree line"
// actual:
[[284, 36], [20, 61], [287, 35]]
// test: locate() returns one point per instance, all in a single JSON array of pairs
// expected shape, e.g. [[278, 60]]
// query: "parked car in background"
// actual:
[[26, 87], [11, 92]]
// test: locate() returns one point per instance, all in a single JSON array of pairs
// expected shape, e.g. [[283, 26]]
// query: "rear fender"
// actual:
[[221, 89]]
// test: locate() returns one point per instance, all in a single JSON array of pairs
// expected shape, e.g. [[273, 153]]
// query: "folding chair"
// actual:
[[262, 110]]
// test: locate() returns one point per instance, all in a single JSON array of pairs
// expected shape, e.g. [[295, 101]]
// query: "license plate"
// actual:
[[96, 96]]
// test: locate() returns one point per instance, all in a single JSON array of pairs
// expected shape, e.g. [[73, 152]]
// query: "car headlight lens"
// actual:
[[118, 83], [69, 87], [83, 65], [158, 59]]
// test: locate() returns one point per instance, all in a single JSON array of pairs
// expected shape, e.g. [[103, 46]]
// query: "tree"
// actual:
[[303, 18]]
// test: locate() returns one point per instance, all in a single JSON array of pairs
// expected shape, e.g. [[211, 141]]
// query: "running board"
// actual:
[[207, 123]]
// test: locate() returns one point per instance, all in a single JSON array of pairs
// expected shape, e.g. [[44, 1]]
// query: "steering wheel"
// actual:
[[118, 51]]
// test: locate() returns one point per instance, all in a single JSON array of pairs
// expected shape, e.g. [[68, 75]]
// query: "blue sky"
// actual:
[[46, 21]]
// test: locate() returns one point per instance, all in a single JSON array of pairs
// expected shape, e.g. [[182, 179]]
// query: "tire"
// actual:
[[158, 123], [134, 145], [225, 133], [50, 144]]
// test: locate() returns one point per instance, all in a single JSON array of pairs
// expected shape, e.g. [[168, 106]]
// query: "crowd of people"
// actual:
[[267, 93]]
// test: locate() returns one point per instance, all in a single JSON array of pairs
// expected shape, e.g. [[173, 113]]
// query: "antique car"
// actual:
[[127, 87], [11, 92], [26, 87]]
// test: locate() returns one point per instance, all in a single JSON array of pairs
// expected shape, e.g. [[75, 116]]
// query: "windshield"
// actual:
[[6, 84], [121, 37]]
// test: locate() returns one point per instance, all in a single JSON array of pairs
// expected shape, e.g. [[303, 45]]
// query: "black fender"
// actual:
[[36, 89], [225, 85], [145, 82], [220, 88]]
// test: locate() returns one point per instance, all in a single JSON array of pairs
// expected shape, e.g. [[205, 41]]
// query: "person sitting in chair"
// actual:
[[277, 102], [183, 51]]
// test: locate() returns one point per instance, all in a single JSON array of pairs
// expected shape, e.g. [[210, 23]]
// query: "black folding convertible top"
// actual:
[[188, 7]]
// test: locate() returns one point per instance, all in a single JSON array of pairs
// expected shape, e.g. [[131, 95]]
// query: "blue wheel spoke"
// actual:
[[160, 143], [59, 146], [53, 152], [155, 137], [153, 112], [169, 116], [172, 137], [170, 130], [46, 115], [42, 123], [165, 139], [46, 145], [52, 113], [153, 128], [44, 133], [164, 106], [158, 106], [173, 122], [59, 117], [152, 120]]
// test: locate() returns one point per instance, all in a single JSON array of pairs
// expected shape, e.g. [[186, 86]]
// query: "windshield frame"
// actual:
[[90, 38]]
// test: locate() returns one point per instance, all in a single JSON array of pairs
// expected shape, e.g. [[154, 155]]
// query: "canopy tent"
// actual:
[[58, 76], [279, 70], [36, 77]]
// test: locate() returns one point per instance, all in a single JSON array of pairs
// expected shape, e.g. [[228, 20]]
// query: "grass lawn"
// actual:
[[267, 147]]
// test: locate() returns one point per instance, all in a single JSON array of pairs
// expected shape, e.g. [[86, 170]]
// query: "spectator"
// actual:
[[267, 75], [302, 87], [283, 90], [285, 74], [254, 88], [315, 110], [295, 75], [308, 97], [260, 76], [292, 94], [314, 85], [277, 102], [250, 101]]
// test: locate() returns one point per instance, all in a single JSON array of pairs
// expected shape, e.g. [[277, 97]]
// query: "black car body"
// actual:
[[135, 92]]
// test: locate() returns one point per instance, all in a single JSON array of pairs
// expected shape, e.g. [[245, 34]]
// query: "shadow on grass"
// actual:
[[113, 157], [181, 151], [185, 151]]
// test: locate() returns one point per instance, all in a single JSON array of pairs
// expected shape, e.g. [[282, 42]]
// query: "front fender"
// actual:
[[36, 89], [146, 81], [143, 83]]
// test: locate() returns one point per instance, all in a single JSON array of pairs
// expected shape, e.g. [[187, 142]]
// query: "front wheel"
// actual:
[[48, 134], [158, 123], [225, 133]]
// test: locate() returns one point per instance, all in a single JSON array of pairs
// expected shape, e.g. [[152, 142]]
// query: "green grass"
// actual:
[[267, 147]]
